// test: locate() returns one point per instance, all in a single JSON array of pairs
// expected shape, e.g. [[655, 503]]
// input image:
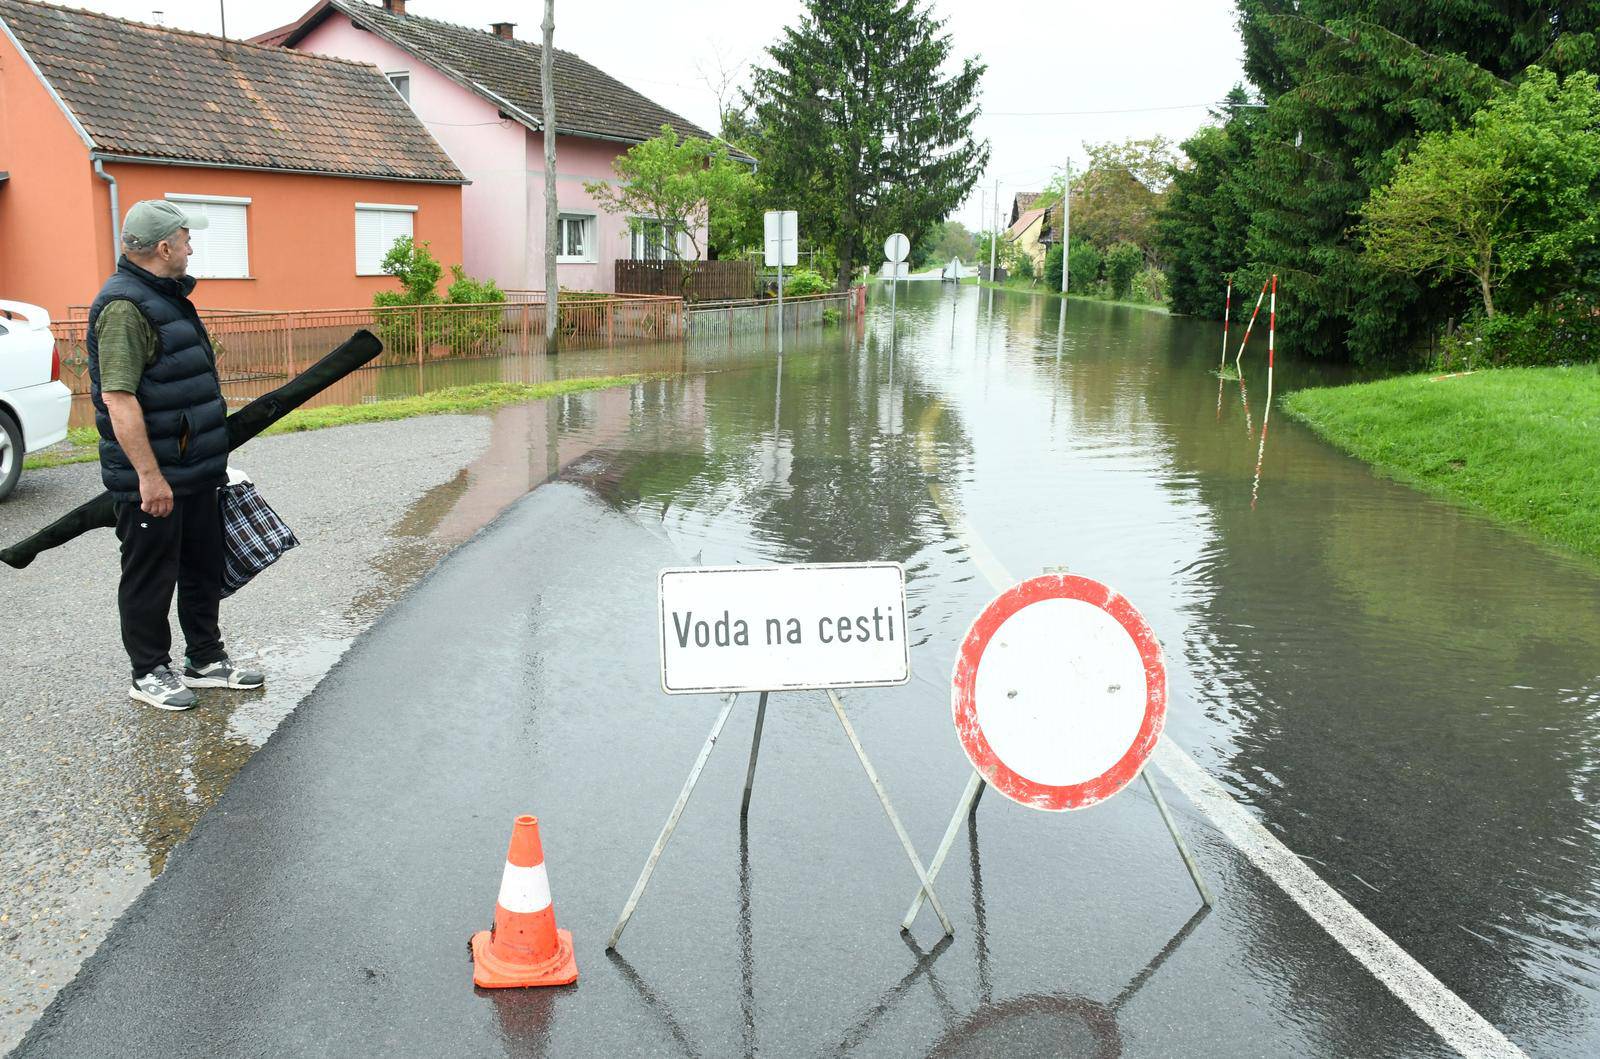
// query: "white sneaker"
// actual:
[[162, 689], [221, 674]]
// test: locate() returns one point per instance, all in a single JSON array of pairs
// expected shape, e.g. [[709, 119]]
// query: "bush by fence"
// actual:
[[1564, 331]]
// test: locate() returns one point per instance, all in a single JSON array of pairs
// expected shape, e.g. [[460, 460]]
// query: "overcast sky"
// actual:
[[1153, 62]]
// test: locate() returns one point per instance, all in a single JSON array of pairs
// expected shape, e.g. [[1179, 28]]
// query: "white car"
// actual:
[[34, 403]]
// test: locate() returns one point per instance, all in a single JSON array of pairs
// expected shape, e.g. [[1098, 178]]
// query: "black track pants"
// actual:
[[182, 551]]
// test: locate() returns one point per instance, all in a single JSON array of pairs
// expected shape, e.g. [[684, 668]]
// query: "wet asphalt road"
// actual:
[[323, 906], [1397, 689], [95, 788]]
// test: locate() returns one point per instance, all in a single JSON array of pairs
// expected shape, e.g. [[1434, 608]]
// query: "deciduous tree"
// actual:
[[1119, 195], [1512, 192], [690, 185]]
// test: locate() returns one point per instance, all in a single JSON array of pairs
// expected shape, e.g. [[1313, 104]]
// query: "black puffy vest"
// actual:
[[179, 394]]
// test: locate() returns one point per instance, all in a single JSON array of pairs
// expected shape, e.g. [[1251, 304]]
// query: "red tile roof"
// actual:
[[589, 101], [148, 92]]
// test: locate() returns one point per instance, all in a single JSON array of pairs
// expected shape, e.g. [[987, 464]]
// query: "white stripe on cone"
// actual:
[[524, 889]]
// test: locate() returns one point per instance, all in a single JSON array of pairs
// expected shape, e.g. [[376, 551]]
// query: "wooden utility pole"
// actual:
[[1066, 225], [552, 228]]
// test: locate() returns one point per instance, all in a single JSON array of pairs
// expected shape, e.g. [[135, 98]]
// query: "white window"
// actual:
[[222, 249], [651, 240], [378, 225], [575, 238], [401, 79]]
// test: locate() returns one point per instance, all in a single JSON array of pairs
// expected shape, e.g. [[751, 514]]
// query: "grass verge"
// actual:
[[82, 444], [1520, 444]]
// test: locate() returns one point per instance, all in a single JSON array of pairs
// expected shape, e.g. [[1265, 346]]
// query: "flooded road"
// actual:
[[1404, 694], [1408, 695]]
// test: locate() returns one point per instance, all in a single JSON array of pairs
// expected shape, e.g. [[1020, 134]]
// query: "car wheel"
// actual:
[[10, 454]]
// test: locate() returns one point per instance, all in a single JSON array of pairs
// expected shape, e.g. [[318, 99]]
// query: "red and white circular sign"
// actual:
[[1059, 692]]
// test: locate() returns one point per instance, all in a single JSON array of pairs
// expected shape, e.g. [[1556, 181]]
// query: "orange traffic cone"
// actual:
[[524, 948]]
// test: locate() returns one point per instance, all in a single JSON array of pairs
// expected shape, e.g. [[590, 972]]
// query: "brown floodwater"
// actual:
[[1405, 693]]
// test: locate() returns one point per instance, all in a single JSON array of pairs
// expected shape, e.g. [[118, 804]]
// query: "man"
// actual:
[[163, 453]]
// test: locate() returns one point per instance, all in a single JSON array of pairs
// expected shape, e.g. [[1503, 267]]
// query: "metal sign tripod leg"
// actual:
[[968, 802], [883, 796], [755, 748], [1177, 838], [672, 821]]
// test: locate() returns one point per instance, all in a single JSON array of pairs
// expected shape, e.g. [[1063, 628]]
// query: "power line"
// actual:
[[1090, 113]]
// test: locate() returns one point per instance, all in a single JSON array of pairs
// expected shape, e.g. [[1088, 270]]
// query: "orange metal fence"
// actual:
[[257, 345]]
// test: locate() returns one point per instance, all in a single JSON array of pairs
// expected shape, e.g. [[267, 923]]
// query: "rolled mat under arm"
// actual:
[[357, 351]]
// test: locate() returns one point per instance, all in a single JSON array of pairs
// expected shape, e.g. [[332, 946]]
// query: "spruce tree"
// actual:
[[857, 128]]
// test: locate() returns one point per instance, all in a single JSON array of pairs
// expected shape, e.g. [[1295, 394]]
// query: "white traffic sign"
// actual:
[[1059, 693], [782, 231], [896, 248], [777, 628]]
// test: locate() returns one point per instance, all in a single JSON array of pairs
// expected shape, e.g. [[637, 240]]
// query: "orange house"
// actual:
[[307, 167]]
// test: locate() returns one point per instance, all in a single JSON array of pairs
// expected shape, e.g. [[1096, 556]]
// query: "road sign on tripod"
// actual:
[[819, 626], [1058, 696]]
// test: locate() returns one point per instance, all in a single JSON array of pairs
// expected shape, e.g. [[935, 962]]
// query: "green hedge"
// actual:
[[1564, 331]]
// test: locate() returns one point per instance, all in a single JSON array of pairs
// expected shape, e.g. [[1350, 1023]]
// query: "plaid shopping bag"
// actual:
[[253, 536]]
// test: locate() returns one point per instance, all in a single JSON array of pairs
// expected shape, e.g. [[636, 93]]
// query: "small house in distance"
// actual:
[[306, 167]]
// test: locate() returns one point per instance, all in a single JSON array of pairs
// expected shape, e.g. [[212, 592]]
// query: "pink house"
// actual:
[[477, 92]]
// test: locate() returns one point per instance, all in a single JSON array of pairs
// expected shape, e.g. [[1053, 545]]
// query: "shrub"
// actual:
[[802, 281], [1123, 262], [830, 317], [419, 273], [1566, 330], [1020, 265], [417, 270], [1150, 285], [1083, 266], [471, 332], [1052, 267]]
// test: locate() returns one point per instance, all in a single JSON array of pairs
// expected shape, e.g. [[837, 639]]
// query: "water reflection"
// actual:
[[1407, 694], [653, 1003], [832, 476]]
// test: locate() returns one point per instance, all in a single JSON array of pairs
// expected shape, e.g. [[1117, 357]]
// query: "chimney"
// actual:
[[395, 7], [503, 30]]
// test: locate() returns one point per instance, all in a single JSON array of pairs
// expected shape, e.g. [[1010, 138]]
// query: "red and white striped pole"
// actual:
[[1227, 308], [1272, 330], [1266, 413], [1250, 326]]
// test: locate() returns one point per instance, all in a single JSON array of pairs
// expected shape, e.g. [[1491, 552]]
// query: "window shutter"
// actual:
[[376, 231], [221, 250]]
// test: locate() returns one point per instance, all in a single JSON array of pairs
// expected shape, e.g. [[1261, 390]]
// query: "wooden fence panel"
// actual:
[[708, 280]]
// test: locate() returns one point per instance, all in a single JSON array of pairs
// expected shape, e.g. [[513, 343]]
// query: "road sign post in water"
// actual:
[[738, 629], [782, 231], [896, 249]]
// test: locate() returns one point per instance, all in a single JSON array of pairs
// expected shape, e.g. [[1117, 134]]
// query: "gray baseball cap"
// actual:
[[152, 220]]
